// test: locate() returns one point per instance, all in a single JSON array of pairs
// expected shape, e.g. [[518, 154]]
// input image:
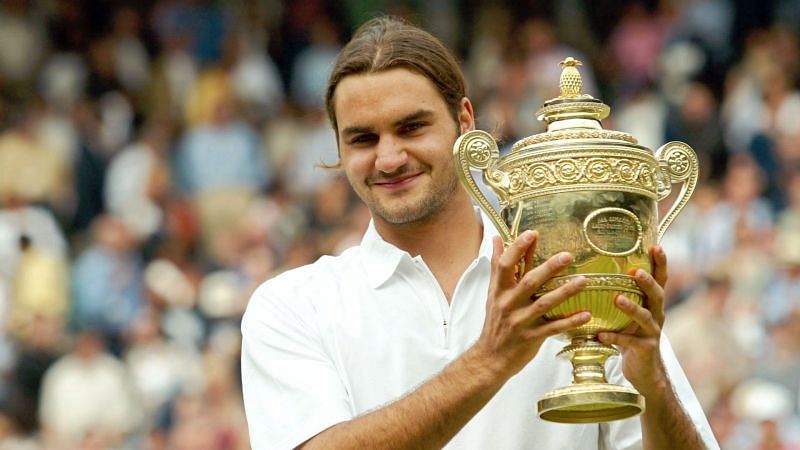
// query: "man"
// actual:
[[423, 336]]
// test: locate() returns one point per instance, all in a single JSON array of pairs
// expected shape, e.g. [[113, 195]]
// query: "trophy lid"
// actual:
[[573, 114], [572, 103]]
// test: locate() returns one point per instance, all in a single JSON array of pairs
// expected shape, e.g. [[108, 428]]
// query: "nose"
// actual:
[[390, 155]]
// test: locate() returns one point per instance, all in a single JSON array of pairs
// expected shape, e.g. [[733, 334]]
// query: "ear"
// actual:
[[466, 116]]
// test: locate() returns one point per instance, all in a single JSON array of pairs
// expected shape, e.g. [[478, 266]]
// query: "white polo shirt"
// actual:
[[345, 335]]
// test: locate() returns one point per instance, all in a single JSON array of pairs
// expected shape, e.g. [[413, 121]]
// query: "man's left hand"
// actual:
[[639, 342]]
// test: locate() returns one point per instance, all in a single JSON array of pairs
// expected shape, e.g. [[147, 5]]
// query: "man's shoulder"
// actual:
[[303, 293], [323, 275]]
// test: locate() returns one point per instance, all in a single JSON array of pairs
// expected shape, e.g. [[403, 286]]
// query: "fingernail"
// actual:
[[579, 281], [641, 275], [564, 258], [602, 336], [527, 236], [623, 301], [584, 316]]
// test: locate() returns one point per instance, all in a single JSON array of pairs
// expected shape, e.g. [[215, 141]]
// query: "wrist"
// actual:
[[487, 368], [657, 390]]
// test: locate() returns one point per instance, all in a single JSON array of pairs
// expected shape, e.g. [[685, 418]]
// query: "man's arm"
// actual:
[[513, 332], [665, 424]]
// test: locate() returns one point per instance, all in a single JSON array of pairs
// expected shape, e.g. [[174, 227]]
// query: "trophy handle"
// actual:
[[478, 150], [677, 163]]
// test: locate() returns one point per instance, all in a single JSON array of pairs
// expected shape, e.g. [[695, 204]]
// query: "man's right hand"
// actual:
[[515, 328]]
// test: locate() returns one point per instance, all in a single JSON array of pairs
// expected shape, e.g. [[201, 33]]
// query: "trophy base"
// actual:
[[590, 403]]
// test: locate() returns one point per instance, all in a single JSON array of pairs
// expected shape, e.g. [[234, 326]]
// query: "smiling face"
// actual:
[[396, 137]]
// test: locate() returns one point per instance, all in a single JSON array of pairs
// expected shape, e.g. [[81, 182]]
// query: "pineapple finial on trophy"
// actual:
[[570, 83]]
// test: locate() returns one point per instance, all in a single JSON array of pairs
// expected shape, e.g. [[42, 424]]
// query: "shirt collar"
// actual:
[[381, 258]]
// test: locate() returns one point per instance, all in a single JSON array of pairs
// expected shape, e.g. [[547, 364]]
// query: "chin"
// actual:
[[406, 215]]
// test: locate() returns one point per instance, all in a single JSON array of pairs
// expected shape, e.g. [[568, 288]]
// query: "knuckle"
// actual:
[[505, 264], [568, 290], [540, 307], [553, 264], [529, 282], [503, 307]]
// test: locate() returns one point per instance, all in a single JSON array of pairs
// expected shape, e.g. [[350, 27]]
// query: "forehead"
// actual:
[[368, 99]]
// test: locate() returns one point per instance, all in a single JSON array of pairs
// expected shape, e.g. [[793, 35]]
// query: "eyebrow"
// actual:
[[416, 115]]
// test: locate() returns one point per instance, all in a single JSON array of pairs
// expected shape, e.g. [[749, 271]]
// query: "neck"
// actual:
[[448, 241]]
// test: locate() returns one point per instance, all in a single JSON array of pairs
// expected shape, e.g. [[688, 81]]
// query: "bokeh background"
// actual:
[[160, 159]]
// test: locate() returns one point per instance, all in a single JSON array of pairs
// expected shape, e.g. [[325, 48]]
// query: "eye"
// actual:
[[411, 128], [364, 139]]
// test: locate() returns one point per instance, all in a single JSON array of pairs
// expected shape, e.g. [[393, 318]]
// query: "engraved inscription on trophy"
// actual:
[[613, 231]]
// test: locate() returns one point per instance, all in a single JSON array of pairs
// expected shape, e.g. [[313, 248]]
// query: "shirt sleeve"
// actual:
[[627, 434], [291, 389]]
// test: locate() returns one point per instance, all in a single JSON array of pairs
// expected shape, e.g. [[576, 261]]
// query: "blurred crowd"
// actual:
[[160, 159]]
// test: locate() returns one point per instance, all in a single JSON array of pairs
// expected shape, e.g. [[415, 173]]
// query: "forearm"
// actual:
[[665, 424], [427, 418]]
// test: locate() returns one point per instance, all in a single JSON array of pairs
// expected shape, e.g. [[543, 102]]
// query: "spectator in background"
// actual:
[[160, 370], [40, 289], [219, 161], [30, 171], [312, 66], [636, 43], [696, 122], [107, 281], [86, 396], [138, 180], [741, 207], [704, 341], [130, 58], [36, 351], [22, 44]]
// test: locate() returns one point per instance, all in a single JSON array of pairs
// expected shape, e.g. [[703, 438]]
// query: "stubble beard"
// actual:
[[432, 203]]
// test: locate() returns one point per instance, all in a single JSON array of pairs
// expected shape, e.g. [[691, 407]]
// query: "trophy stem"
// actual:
[[590, 398], [588, 357]]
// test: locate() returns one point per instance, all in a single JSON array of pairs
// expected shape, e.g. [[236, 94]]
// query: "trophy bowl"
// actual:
[[594, 193]]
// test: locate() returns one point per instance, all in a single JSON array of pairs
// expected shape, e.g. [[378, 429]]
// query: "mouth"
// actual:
[[396, 182]]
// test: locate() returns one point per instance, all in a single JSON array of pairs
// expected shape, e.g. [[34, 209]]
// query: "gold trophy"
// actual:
[[594, 193]]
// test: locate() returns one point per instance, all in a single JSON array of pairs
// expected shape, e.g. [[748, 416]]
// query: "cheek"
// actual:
[[357, 165]]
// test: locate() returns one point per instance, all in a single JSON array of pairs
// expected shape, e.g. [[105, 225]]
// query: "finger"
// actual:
[[654, 293], [659, 259], [547, 302], [508, 261], [528, 260], [559, 326], [640, 315], [536, 277], [621, 339], [497, 251]]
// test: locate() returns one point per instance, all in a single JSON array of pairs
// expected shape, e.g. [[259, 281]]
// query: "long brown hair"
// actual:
[[387, 42]]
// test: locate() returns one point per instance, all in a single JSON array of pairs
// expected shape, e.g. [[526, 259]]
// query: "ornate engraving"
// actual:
[[663, 183], [593, 282], [478, 152], [532, 177], [678, 163], [573, 134]]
